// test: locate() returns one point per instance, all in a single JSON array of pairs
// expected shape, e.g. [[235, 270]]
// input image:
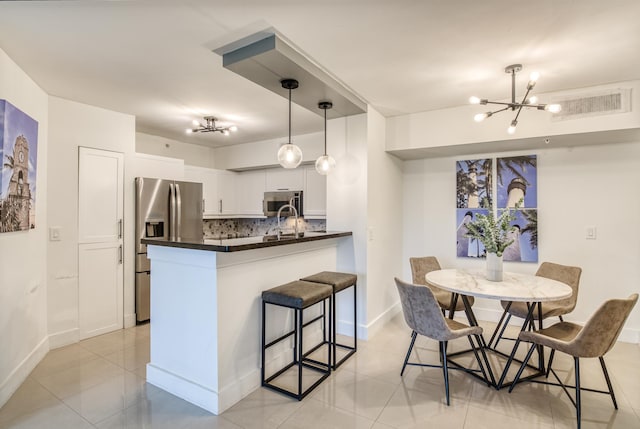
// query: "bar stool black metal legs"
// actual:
[[298, 296], [339, 282]]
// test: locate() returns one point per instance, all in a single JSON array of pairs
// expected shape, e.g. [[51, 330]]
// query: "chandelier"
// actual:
[[528, 102], [210, 127]]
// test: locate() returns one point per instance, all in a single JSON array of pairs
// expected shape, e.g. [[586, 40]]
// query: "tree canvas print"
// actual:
[[19, 154]]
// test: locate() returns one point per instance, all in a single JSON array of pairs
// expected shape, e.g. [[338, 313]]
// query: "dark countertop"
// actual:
[[245, 243]]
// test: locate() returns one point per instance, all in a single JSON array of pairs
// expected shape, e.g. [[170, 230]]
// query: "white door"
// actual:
[[100, 229]]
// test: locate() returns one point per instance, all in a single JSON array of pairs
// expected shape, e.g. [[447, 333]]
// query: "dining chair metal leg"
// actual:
[[576, 361], [609, 386], [522, 367], [493, 336], [504, 328], [551, 355], [414, 335], [445, 369]]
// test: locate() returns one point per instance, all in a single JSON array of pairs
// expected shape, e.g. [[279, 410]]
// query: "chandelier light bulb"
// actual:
[[481, 116], [512, 127], [534, 76], [225, 132], [189, 131], [474, 100], [532, 100], [553, 108], [325, 164], [233, 128], [195, 123]]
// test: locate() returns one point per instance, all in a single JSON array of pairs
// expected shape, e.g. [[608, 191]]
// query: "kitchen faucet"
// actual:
[[295, 212]]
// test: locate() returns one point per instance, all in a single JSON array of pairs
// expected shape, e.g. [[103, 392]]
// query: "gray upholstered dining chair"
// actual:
[[420, 267], [594, 339], [562, 273], [423, 315]]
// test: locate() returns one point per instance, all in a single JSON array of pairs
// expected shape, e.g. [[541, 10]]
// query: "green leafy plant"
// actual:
[[493, 232]]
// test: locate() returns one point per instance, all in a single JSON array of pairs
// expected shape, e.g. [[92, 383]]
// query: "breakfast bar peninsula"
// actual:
[[205, 308]]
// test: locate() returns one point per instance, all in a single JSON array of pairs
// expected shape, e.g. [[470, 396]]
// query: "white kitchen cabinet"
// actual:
[[209, 179], [315, 194], [226, 192], [282, 179], [250, 186], [218, 189]]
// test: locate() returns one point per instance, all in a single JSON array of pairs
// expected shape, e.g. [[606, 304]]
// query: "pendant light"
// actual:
[[289, 155], [325, 164]]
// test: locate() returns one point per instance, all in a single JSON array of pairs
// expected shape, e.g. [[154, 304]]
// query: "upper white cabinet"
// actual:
[[250, 186], [282, 179], [226, 192], [218, 189], [315, 194]]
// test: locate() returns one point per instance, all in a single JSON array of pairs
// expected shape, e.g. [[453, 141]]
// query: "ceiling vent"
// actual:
[[595, 104]]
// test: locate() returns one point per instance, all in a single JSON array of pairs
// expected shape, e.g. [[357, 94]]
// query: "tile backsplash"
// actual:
[[235, 228]]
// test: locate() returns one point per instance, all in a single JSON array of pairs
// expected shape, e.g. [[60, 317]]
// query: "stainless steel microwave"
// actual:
[[274, 200]]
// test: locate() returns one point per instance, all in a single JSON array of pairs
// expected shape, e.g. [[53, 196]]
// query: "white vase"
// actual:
[[494, 267]]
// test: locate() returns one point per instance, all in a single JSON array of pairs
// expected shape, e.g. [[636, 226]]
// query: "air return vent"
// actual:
[[595, 104]]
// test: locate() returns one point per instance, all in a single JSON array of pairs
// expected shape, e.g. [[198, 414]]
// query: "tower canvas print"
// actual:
[[19, 153], [517, 181], [474, 186]]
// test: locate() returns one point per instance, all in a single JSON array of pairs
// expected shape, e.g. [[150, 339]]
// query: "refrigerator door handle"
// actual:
[[178, 212], [172, 212]]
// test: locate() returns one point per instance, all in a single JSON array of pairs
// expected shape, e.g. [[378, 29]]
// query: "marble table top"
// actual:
[[513, 287]]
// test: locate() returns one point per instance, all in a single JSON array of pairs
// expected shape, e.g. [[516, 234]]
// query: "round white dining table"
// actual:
[[513, 287]]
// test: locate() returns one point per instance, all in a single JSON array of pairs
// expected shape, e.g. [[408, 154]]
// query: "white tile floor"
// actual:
[[99, 383]]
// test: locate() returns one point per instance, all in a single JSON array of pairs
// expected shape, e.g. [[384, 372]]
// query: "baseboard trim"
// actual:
[[129, 320], [373, 327], [197, 394], [20, 373], [61, 339]]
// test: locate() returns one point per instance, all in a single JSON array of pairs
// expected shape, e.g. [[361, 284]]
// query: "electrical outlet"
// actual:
[[591, 233]]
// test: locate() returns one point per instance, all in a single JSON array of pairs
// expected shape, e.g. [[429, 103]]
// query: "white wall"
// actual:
[[192, 154], [23, 264], [264, 153], [578, 187], [384, 237], [73, 125], [347, 208]]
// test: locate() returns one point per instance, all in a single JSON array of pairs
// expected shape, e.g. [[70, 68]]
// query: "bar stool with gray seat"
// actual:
[[298, 296], [339, 282]]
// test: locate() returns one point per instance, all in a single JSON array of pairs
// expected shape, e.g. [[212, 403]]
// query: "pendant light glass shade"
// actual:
[[325, 164], [289, 155]]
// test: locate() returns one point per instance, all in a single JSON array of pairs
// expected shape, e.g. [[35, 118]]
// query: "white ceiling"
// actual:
[[153, 59]]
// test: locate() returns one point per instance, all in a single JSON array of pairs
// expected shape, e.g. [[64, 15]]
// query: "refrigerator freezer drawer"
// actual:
[[143, 297]]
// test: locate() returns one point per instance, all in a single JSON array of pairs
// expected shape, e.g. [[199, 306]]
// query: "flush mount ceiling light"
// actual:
[[527, 101], [289, 155], [325, 164], [210, 127]]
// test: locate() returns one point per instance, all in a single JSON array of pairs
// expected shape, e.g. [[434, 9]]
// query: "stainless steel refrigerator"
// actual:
[[166, 209]]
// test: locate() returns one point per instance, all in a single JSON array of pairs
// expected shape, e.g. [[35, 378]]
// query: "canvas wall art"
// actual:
[[19, 155], [515, 179], [473, 182]]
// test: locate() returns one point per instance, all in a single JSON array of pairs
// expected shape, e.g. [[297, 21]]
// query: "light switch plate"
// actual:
[[55, 233], [591, 233]]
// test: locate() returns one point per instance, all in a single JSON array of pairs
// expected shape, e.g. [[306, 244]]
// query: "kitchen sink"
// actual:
[[267, 238]]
